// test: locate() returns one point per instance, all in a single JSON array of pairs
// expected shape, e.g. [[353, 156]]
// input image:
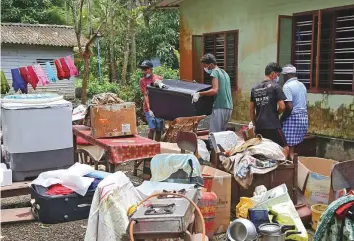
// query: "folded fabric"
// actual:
[[98, 174], [5, 87], [60, 71], [72, 67], [341, 212], [42, 77], [51, 75], [25, 75], [18, 83], [94, 184], [65, 68], [164, 165], [72, 178], [34, 77], [58, 189]]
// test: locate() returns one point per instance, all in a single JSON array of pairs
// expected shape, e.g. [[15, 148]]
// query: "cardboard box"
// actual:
[[113, 120], [222, 189], [314, 178]]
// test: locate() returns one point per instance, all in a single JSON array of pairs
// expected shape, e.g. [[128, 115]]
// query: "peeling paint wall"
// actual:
[[257, 22]]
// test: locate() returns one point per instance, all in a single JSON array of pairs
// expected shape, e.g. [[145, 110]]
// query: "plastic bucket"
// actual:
[[317, 211]]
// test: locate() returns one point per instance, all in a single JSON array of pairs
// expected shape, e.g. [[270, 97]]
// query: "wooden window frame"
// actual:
[[236, 32], [314, 82]]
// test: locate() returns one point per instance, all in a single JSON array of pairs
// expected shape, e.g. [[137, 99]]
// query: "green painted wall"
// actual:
[[257, 22]]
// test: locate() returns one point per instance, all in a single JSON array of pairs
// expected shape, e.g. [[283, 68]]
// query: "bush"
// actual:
[[129, 92]]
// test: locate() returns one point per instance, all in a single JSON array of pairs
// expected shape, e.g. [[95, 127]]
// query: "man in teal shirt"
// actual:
[[221, 89]]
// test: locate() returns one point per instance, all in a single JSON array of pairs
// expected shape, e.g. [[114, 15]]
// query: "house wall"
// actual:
[[257, 22], [15, 56]]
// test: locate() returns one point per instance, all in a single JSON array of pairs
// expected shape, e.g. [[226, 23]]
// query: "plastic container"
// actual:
[[317, 211], [176, 100], [5, 175], [207, 205]]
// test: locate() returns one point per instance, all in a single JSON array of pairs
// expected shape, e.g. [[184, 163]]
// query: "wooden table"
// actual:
[[121, 149]]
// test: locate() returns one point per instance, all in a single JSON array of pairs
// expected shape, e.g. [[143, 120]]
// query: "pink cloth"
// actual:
[[42, 78], [72, 67]]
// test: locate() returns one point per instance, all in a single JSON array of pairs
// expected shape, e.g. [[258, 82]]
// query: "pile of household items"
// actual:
[[182, 198]]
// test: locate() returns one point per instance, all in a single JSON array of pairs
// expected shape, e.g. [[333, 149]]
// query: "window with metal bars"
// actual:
[[323, 49], [224, 46]]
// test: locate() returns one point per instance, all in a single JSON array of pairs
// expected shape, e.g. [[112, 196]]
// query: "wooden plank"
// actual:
[[16, 215], [16, 189]]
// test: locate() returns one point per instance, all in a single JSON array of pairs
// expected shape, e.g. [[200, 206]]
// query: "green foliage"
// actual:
[[34, 11], [161, 38]]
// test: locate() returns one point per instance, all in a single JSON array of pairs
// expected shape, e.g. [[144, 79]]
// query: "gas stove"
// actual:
[[165, 216]]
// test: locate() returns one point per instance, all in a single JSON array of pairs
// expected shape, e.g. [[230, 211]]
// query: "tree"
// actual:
[[34, 11], [77, 13]]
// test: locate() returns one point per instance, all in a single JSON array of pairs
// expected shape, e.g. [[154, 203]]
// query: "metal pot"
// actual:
[[275, 237], [241, 230], [274, 228], [275, 232]]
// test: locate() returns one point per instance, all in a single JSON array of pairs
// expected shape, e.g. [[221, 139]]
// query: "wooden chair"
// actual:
[[341, 178], [187, 124], [85, 157], [187, 141]]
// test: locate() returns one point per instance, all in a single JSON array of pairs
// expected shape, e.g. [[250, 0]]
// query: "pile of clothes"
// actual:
[[337, 222], [243, 159], [79, 178]]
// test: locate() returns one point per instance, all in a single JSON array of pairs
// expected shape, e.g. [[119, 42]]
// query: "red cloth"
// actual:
[[121, 149], [60, 71], [81, 141], [341, 212], [34, 77], [65, 68], [144, 82], [25, 75], [58, 189]]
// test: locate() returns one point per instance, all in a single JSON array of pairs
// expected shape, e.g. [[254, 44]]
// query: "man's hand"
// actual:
[[151, 113], [195, 97]]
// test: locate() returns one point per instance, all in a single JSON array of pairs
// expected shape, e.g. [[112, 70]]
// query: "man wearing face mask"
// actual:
[[267, 102], [155, 124], [221, 89]]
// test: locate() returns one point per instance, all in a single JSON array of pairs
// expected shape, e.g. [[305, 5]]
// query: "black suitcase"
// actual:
[[176, 100], [59, 208]]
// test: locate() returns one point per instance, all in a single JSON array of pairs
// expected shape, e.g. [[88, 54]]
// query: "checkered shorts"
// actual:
[[295, 128]]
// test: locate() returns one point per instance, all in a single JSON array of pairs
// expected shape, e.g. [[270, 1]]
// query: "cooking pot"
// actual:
[[275, 237], [241, 230], [275, 232]]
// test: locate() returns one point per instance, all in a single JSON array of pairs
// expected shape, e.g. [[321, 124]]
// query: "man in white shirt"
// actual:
[[294, 119]]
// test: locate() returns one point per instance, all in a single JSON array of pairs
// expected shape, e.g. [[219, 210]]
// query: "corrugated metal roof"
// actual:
[[168, 4], [39, 34]]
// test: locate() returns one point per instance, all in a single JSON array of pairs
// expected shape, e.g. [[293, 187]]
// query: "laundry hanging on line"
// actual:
[[51, 75], [36, 76]]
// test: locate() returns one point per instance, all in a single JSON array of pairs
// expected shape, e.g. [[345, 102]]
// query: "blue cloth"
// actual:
[[51, 75], [98, 174], [94, 184], [295, 128], [18, 83], [153, 122], [296, 92]]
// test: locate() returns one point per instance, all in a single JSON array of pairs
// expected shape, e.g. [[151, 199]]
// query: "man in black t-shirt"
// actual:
[[267, 102]]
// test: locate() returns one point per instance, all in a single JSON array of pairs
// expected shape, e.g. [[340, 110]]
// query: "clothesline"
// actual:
[[35, 75]]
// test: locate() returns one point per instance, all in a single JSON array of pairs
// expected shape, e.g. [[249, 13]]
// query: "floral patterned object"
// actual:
[[121, 149], [329, 227]]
